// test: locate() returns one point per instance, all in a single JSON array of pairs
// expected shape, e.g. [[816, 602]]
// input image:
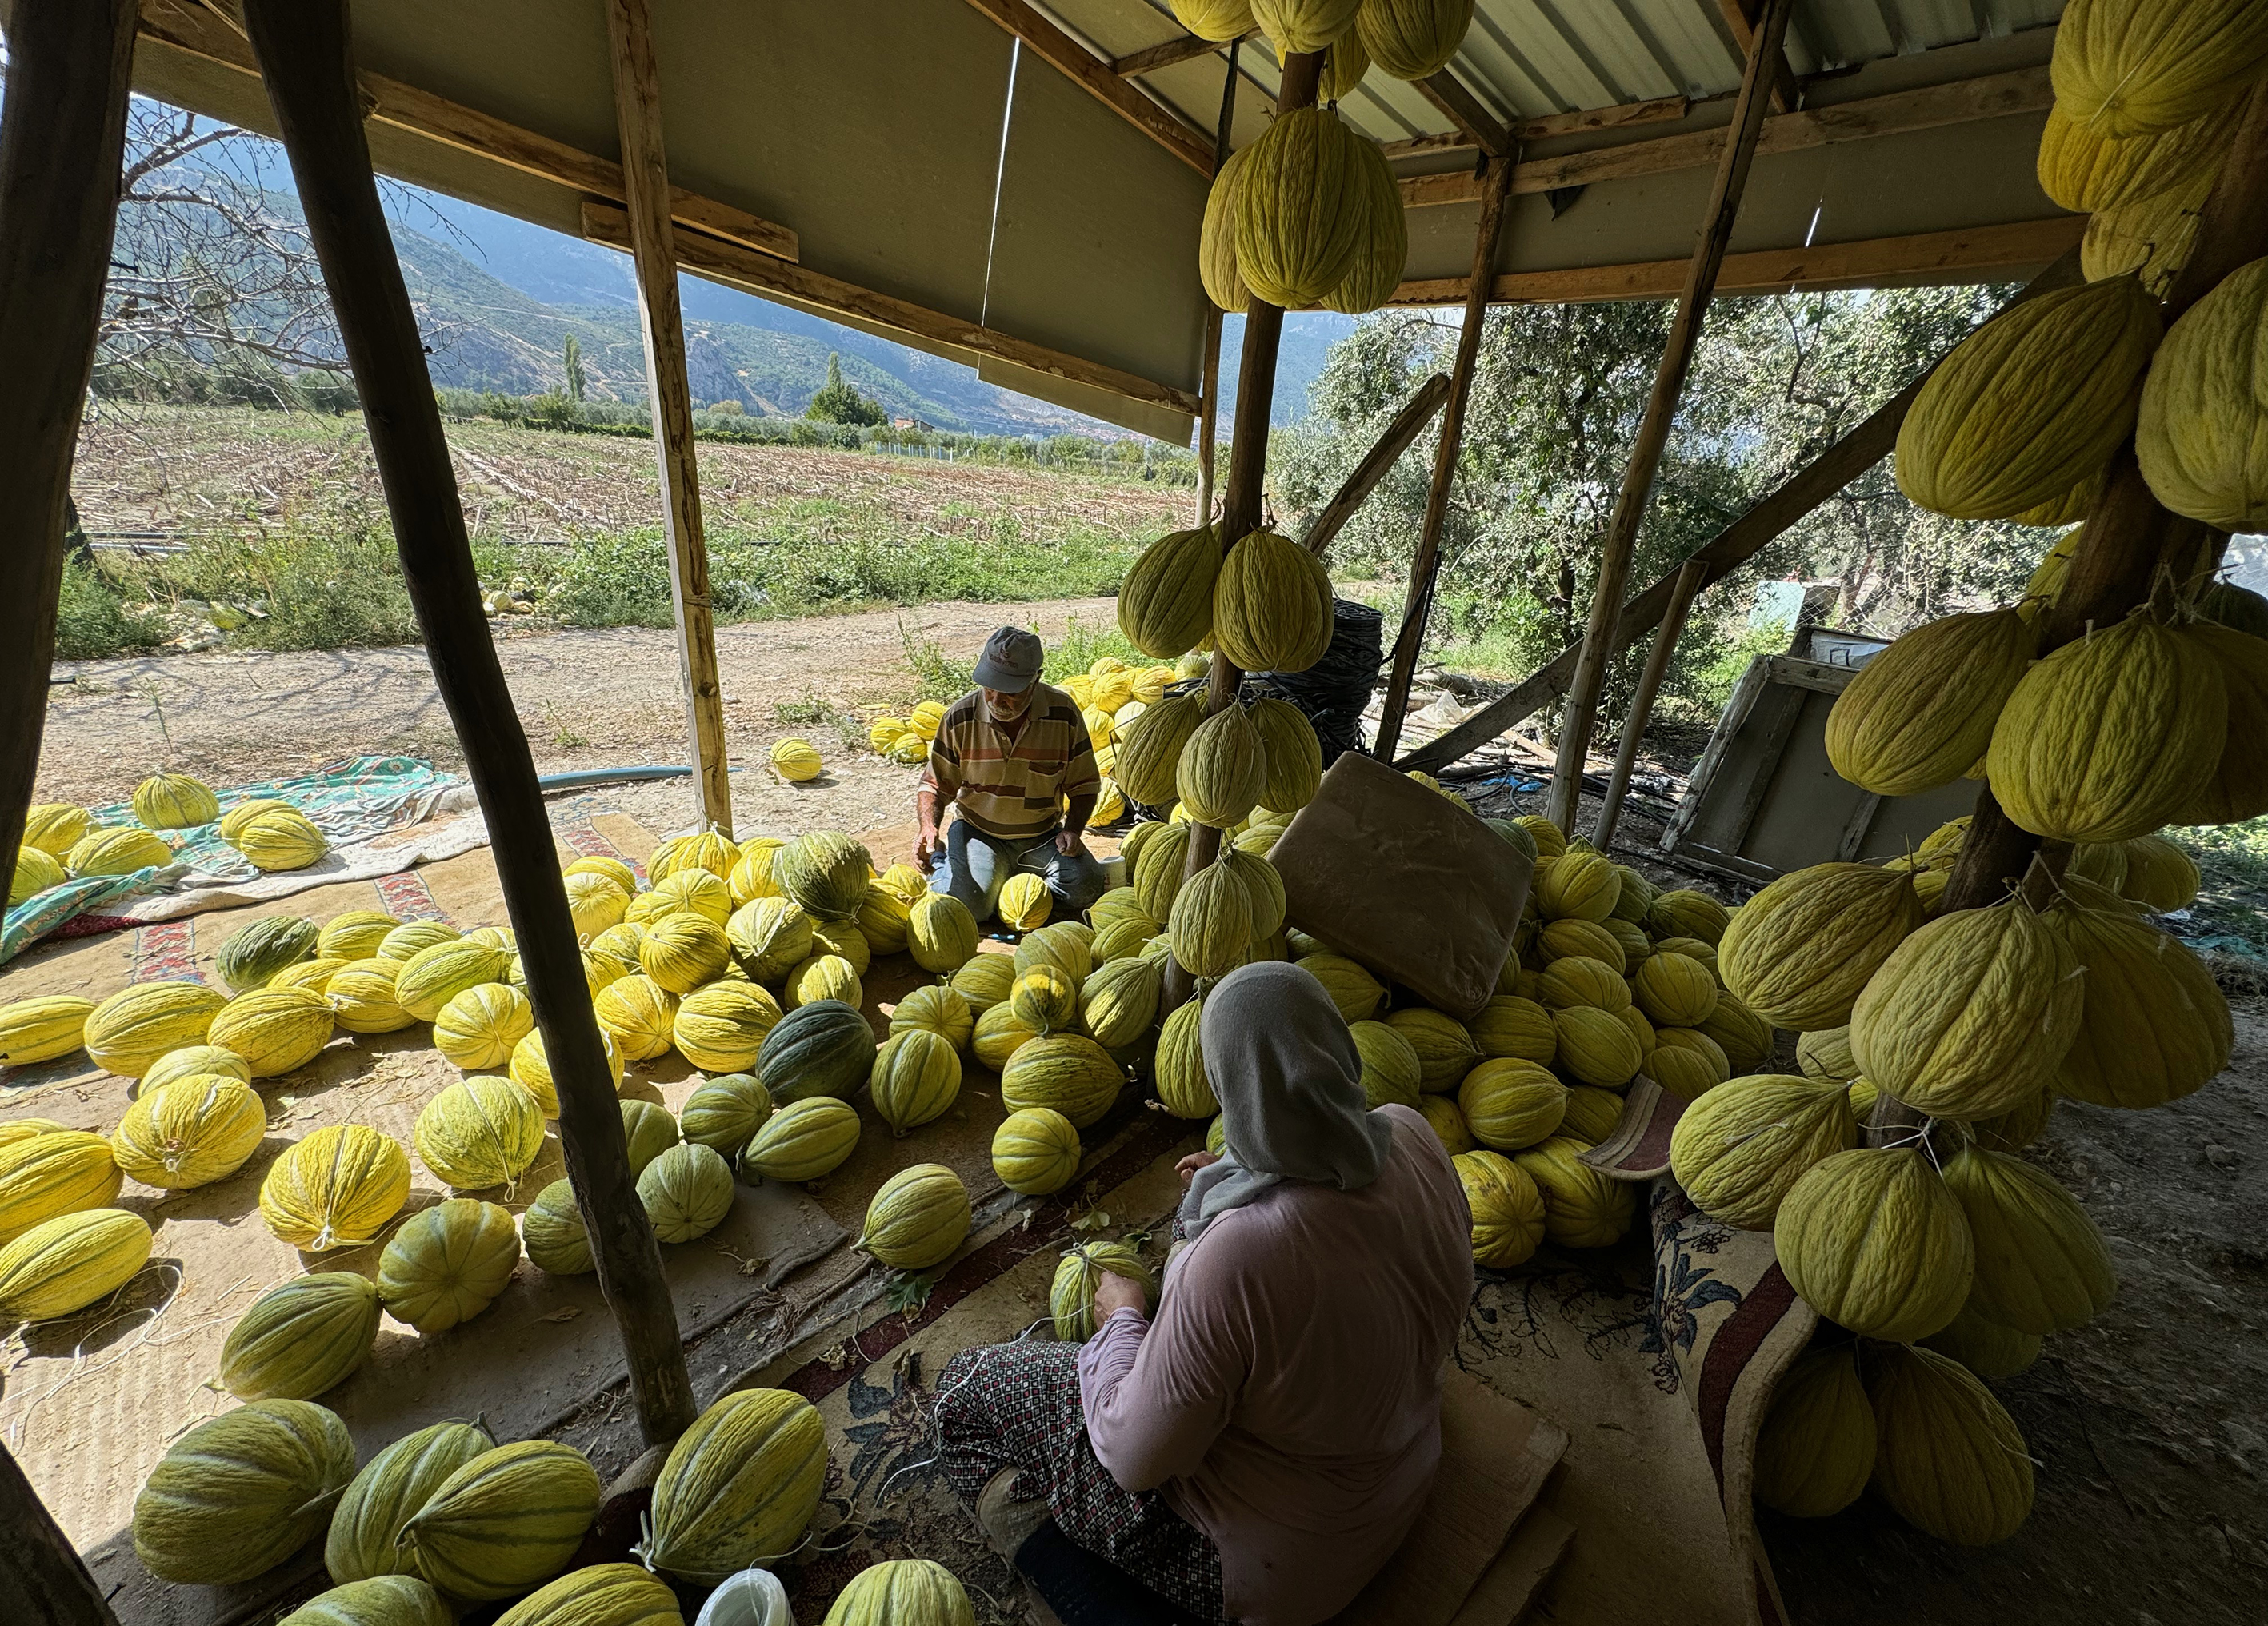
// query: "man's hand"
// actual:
[[1117, 1292], [925, 846], [1187, 1168], [1071, 842]]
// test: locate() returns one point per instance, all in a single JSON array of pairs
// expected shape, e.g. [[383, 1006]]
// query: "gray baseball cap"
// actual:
[[1011, 660]]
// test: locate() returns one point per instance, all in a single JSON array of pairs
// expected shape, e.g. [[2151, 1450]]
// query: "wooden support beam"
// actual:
[[1209, 367], [1408, 424], [1768, 519], [1209, 415], [1661, 410], [1189, 47], [303, 49], [728, 262], [186, 26], [1741, 18], [1467, 111], [2127, 534], [1937, 107], [43, 1581], [638, 113], [1418, 599], [1659, 109], [1688, 584], [1875, 261], [62, 135], [1097, 78], [1247, 471]]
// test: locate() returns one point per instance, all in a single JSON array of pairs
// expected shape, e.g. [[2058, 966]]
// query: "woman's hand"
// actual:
[[1187, 1168], [1117, 1292]]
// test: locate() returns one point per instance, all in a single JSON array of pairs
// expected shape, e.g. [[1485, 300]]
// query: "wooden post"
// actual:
[[63, 139], [1247, 469], [645, 183], [1690, 576], [1209, 387], [1209, 414], [42, 1577], [1661, 410], [1382, 456], [1418, 599], [1770, 517], [2127, 535], [305, 59]]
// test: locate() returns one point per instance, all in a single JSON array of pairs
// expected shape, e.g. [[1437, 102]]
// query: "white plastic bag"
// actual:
[[752, 1598]]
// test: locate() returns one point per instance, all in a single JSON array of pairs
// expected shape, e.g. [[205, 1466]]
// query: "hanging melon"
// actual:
[[1920, 714], [1413, 40], [2202, 439], [2030, 404], [2124, 68], [1272, 610], [1301, 208], [1384, 246], [1165, 604]]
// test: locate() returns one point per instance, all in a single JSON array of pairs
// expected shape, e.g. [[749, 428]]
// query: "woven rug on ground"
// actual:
[[358, 803]]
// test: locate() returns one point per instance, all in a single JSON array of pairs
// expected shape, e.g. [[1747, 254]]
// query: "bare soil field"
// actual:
[[168, 468]]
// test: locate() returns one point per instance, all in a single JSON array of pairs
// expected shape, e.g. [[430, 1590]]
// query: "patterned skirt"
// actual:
[[1017, 1405]]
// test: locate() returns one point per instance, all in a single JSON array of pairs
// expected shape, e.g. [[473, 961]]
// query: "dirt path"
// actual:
[[588, 700]]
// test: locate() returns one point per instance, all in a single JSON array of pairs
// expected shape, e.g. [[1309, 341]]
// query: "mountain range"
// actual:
[[499, 297]]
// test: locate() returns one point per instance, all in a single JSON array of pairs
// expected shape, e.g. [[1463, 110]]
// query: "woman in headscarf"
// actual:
[[1258, 1450]]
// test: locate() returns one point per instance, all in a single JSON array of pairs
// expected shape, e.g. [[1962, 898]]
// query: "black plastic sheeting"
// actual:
[[1334, 691], [1331, 694]]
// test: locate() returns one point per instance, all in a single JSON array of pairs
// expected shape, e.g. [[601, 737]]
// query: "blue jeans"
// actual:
[[977, 865]]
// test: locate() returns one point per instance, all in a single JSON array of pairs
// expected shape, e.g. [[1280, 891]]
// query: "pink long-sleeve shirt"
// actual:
[[1287, 1399]]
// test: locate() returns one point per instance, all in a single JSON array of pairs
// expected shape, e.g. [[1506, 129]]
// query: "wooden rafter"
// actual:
[[1663, 109], [184, 26], [1097, 78], [1821, 265], [1741, 18], [1189, 47], [1467, 111], [1964, 102], [603, 223]]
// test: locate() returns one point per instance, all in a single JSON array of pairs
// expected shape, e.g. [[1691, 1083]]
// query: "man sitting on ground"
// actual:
[[1013, 755]]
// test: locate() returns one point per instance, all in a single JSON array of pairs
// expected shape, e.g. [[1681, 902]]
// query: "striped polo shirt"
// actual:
[[1012, 788]]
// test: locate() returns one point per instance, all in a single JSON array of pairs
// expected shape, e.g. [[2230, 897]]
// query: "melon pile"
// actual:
[[63, 841], [1309, 214], [446, 1516]]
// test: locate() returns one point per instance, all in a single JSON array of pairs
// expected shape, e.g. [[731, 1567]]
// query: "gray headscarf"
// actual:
[[1287, 1075]]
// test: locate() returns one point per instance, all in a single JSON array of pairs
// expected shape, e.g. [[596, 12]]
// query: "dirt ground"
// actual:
[[588, 700]]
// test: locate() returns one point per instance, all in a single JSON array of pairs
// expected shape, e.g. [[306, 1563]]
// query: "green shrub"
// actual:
[[94, 621]]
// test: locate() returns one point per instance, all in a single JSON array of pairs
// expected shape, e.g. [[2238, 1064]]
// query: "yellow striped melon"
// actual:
[[1582, 1208], [1507, 1209], [940, 933], [805, 1140], [598, 1594], [190, 1132], [901, 1591], [917, 1217], [1873, 1239], [1948, 1459], [274, 1029], [1799, 953], [337, 1188], [241, 1492], [132, 1029], [448, 1264], [504, 1520], [301, 1336], [381, 1600], [1817, 1449], [45, 1176], [1036, 1151], [119, 850], [639, 1014], [739, 1487], [43, 1028], [551, 1230], [61, 1265], [2126, 68], [393, 1486], [1068, 1073], [686, 1191], [721, 1027], [1071, 1295], [939, 1009]]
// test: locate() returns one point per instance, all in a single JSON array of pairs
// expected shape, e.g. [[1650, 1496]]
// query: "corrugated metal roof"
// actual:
[[1527, 58]]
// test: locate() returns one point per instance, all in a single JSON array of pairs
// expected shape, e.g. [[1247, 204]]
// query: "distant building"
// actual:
[[915, 424]]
